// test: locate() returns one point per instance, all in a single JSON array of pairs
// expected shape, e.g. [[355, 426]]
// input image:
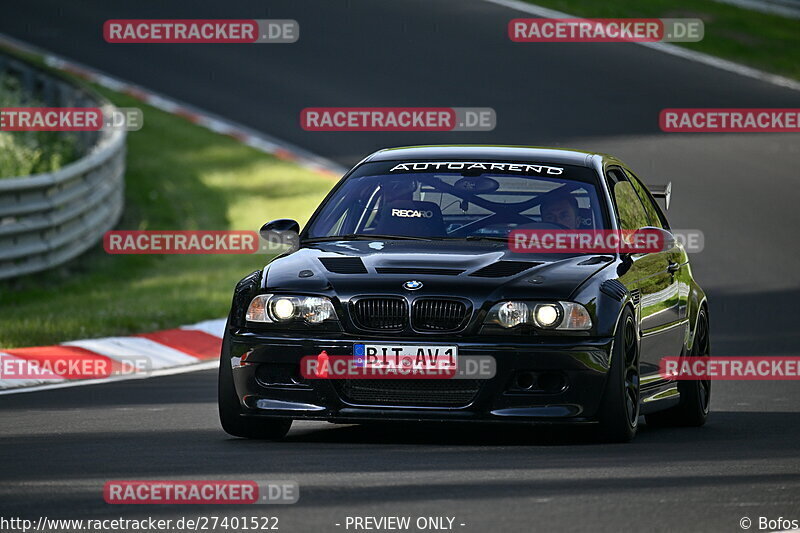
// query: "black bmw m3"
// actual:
[[411, 254]]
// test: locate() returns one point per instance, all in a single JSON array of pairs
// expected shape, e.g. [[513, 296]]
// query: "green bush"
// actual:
[[30, 152]]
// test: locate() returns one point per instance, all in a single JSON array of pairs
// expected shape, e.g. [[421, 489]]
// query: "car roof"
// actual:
[[486, 152]]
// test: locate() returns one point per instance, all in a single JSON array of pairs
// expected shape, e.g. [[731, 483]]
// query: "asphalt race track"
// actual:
[[57, 448]]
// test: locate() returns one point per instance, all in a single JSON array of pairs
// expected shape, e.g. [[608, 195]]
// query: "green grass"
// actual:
[[761, 40], [179, 176]]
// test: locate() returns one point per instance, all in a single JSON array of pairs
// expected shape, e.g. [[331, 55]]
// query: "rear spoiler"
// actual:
[[662, 191]]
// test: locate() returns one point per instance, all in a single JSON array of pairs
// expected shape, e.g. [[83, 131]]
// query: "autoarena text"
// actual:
[[586, 241], [200, 492], [190, 31], [70, 119], [423, 365], [427, 166], [730, 120], [398, 119], [69, 363], [730, 368], [605, 30]]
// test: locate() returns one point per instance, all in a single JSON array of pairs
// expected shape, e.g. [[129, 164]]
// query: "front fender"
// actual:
[[606, 299]]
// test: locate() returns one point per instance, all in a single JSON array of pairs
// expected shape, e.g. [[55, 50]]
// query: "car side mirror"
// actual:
[[279, 225], [280, 236], [661, 236]]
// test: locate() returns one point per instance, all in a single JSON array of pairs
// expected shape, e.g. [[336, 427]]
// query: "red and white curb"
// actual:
[[172, 351], [248, 136]]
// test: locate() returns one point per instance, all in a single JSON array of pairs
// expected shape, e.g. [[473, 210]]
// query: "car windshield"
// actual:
[[459, 201]]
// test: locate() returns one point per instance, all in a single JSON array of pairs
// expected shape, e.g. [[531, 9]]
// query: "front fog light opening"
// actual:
[[547, 315]]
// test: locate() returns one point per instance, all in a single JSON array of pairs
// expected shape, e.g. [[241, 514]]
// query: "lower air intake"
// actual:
[[409, 392]]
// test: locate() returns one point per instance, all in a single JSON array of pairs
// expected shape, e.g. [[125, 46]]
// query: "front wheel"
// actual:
[[230, 411], [619, 410]]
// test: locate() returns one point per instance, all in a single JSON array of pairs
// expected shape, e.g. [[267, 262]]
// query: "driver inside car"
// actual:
[[561, 209]]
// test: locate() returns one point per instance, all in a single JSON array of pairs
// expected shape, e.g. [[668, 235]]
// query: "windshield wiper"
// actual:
[[366, 237], [485, 238]]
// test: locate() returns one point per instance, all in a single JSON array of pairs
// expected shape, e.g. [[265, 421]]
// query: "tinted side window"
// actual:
[[656, 219], [632, 214]]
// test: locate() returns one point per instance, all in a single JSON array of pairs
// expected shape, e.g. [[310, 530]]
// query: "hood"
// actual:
[[478, 270]]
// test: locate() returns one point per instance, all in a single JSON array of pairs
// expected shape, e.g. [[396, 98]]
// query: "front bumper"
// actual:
[[580, 363]]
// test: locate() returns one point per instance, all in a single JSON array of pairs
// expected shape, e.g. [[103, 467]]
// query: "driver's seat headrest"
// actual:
[[412, 219], [585, 218]]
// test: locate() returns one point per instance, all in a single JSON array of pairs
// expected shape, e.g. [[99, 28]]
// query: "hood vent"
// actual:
[[419, 271], [504, 269], [636, 296], [596, 260], [343, 265]]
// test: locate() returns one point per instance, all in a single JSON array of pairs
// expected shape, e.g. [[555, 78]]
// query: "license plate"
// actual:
[[404, 357]]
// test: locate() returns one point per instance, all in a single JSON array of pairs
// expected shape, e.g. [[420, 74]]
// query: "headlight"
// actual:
[[279, 308], [576, 317], [546, 315], [563, 316], [512, 314], [257, 310], [282, 308], [316, 310]]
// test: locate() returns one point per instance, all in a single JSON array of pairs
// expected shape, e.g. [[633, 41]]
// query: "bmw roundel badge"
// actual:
[[412, 285]]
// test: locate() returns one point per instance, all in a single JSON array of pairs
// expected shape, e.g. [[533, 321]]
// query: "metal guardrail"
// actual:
[[48, 219]]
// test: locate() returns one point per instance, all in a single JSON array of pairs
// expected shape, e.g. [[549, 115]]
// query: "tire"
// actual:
[[230, 410], [619, 410], [695, 395]]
